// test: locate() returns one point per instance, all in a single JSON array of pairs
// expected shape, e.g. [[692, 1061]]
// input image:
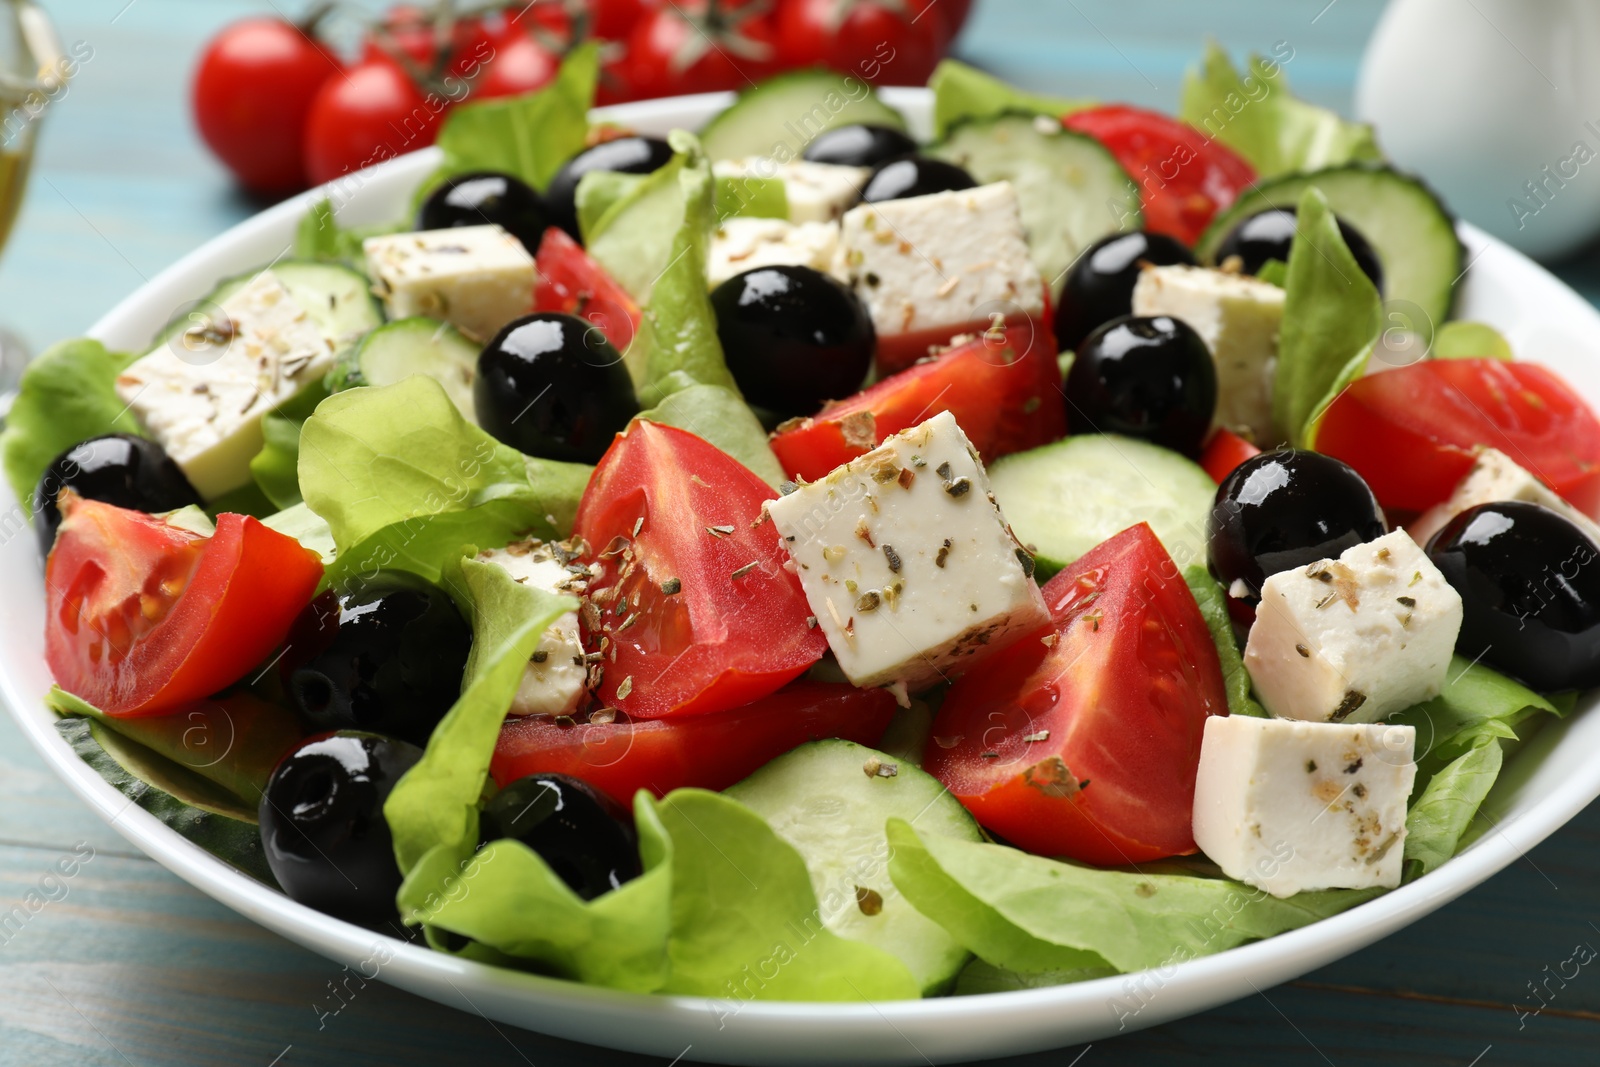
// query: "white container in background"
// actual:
[[1497, 104]]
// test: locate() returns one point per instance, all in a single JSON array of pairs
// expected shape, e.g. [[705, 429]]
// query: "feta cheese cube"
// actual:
[[817, 192], [1289, 806], [740, 243], [202, 393], [1354, 639], [1238, 317], [907, 563], [930, 267], [477, 278], [1494, 477], [553, 681]]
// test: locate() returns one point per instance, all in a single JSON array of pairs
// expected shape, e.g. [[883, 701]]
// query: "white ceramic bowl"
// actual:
[[1548, 782]]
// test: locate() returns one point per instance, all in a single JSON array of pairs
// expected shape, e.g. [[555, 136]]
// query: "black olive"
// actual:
[[1530, 592], [386, 656], [1099, 287], [858, 145], [118, 468], [584, 835], [322, 824], [626, 155], [793, 337], [1268, 235], [1286, 509], [1149, 377], [485, 197], [551, 385], [913, 175]]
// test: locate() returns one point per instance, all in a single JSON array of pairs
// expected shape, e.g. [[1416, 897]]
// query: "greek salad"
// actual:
[[797, 560]]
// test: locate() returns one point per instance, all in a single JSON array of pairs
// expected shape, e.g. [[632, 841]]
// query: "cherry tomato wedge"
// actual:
[[1005, 393], [1225, 451], [1023, 329], [705, 751], [571, 282], [1184, 177], [1411, 431], [144, 616], [1088, 747], [694, 600]]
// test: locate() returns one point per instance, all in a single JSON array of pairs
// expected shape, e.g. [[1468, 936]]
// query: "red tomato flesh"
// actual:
[[1005, 393], [144, 616], [666, 510], [704, 751], [897, 353], [572, 283], [1225, 451], [1411, 431], [1184, 177], [1088, 747]]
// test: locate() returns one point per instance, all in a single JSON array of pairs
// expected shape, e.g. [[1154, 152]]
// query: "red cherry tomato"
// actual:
[[410, 32], [1004, 391], [1088, 747], [698, 47], [704, 751], [252, 95], [887, 42], [375, 112], [144, 616], [696, 603], [613, 20], [519, 64], [572, 283], [1184, 177], [1225, 451], [1411, 431]]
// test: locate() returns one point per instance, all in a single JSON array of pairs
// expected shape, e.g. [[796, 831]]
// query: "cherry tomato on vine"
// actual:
[[698, 47], [886, 42], [375, 112], [518, 64]]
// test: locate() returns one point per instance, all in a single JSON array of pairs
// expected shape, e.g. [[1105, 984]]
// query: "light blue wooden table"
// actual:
[[134, 968]]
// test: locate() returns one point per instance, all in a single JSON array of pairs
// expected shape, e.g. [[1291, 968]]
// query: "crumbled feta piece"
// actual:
[[477, 278], [202, 393], [906, 561], [817, 192], [553, 681], [1354, 639], [930, 267], [1238, 317], [740, 243], [1496, 477], [1289, 806]]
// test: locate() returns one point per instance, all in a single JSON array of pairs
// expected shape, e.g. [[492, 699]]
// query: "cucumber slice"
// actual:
[[418, 345], [1067, 497], [1407, 225], [337, 297], [1071, 191], [820, 799], [783, 114]]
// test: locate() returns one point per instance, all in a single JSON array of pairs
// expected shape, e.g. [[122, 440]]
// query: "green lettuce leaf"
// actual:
[[633, 238], [1332, 316], [319, 237], [307, 527], [276, 468], [719, 416], [1256, 116], [979, 977], [436, 804], [1476, 703], [754, 197], [1447, 805], [507, 898], [598, 192], [1033, 915], [745, 923], [403, 481], [529, 136], [67, 395], [1469, 340], [1214, 609], [961, 92]]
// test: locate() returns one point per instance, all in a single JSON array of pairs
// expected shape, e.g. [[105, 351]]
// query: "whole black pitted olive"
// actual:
[[551, 385], [913, 175], [1269, 235], [858, 145], [484, 197], [1146, 377], [1099, 287], [322, 824], [387, 656], [584, 835], [1286, 509], [117, 468], [1529, 580], [625, 155]]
